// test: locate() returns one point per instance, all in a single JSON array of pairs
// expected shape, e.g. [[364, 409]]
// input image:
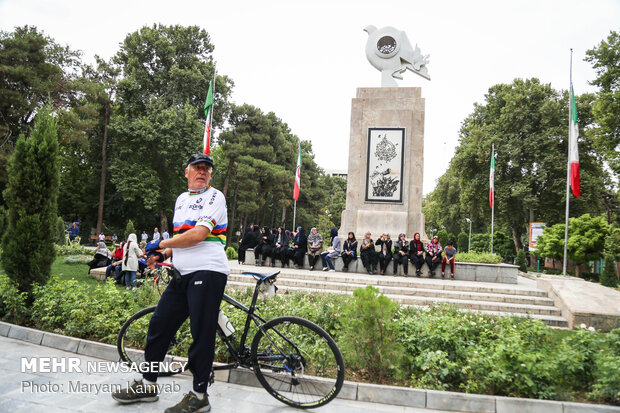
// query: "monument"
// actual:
[[386, 144]]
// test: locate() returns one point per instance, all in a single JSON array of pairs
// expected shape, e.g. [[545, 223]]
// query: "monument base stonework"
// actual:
[[386, 163]]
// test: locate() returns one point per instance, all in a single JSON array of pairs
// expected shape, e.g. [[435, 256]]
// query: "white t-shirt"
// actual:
[[155, 236], [207, 208]]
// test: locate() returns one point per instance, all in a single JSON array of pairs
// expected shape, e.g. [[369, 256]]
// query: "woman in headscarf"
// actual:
[[385, 251], [349, 251], [280, 247], [131, 253], [249, 241], [433, 255], [315, 247], [401, 254], [264, 247], [300, 245], [101, 258], [416, 251], [335, 247], [369, 254]]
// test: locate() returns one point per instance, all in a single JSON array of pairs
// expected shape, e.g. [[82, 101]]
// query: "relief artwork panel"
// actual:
[[384, 171]]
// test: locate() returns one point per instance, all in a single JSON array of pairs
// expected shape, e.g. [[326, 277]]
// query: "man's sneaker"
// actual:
[[190, 404], [136, 392]]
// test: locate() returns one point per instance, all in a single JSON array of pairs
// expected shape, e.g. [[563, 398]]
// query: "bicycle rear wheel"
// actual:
[[131, 341], [297, 362]]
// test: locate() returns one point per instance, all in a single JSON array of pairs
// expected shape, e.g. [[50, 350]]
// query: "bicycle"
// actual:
[[294, 359]]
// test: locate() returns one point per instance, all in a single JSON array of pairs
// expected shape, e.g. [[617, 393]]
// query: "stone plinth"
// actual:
[[385, 108]]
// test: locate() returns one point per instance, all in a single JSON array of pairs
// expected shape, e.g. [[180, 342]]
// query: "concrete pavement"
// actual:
[[89, 391]]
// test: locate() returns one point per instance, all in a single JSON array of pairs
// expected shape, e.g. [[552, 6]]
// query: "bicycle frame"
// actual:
[[241, 353]]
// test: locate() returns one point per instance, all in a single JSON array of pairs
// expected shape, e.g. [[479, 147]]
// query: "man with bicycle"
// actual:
[[197, 251]]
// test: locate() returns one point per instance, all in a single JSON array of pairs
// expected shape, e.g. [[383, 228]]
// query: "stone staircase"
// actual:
[[523, 299]]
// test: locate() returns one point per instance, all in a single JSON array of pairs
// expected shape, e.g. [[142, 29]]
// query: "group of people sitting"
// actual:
[[125, 261], [283, 245]]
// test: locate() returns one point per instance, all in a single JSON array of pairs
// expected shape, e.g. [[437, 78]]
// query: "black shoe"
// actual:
[[136, 392], [345, 269], [190, 404]]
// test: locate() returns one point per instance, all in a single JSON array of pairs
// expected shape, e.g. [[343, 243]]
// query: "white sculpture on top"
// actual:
[[389, 50]]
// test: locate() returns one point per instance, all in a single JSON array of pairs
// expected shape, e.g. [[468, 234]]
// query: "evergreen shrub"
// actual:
[[31, 195], [521, 262]]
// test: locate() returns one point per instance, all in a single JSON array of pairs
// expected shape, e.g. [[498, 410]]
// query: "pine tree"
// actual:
[[31, 196]]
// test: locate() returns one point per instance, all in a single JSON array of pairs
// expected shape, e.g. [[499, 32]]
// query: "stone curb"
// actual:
[[374, 393]]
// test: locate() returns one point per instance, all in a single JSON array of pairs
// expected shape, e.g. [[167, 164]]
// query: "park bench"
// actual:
[[95, 239]]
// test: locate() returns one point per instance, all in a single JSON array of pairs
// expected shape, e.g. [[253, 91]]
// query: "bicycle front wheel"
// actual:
[[131, 341], [297, 362]]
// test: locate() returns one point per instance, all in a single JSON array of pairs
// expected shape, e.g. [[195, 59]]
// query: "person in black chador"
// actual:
[[280, 247], [401, 254], [298, 250], [264, 247], [249, 241]]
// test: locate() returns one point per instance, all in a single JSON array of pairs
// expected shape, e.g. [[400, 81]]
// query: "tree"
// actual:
[[33, 70], [605, 59], [612, 254], [165, 75], [586, 240], [31, 194], [526, 120], [503, 246], [462, 242]]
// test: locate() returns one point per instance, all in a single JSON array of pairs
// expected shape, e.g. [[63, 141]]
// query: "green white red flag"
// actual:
[[492, 178], [206, 139], [297, 174], [573, 153]]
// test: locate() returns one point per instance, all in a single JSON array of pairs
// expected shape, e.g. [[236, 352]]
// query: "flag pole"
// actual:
[[493, 196], [212, 106], [294, 215], [570, 116]]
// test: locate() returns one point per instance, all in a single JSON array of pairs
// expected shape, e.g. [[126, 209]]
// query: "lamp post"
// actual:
[[469, 240]]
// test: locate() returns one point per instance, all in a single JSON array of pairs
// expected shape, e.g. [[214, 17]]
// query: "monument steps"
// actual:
[[501, 300], [409, 290]]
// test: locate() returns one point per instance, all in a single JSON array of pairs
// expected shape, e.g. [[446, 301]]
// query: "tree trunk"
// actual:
[[227, 179], [283, 222], [516, 237], [104, 167], [231, 224], [163, 221]]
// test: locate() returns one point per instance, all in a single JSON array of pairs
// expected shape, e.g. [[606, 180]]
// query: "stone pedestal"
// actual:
[[398, 110]]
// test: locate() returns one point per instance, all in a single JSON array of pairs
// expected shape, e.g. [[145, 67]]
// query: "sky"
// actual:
[[304, 60]]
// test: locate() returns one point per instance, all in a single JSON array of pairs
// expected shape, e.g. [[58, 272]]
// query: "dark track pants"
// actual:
[[197, 295]]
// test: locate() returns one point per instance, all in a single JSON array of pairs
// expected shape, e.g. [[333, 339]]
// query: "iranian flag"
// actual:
[[573, 154], [206, 139], [297, 174], [492, 178]]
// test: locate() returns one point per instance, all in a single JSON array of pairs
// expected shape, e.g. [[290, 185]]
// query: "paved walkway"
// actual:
[[78, 392]]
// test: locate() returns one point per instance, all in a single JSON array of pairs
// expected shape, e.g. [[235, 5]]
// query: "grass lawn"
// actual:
[[76, 271]]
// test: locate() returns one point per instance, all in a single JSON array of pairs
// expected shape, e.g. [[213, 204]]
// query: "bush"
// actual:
[[130, 229], [608, 277], [482, 257], [60, 231], [231, 253], [443, 236], [481, 242], [369, 336], [73, 249], [521, 262], [12, 302]]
